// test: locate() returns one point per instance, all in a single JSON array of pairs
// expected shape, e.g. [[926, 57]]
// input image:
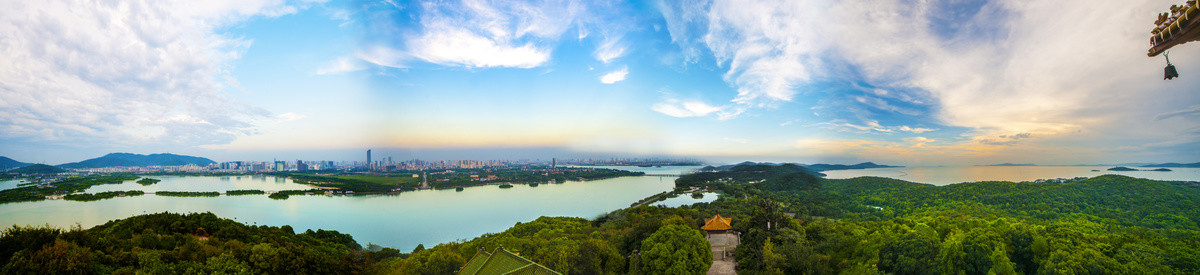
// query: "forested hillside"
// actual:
[[1108, 224]]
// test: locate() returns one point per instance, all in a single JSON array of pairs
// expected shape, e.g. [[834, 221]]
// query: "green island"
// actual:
[[187, 194], [790, 221], [244, 192], [279, 196], [102, 195], [148, 181]]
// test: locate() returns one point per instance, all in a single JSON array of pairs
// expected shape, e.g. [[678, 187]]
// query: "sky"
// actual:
[[897, 82]]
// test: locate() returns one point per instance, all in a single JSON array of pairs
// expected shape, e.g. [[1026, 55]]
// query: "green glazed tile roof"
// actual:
[[500, 262]]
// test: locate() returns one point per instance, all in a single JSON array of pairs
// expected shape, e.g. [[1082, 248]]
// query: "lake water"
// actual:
[[400, 221], [9, 184], [205, 184], [686, 199], [653, 170], [949, 175]]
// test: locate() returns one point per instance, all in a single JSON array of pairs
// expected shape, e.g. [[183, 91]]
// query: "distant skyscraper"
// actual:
[[300, 166], [368, 158], [553, 163]]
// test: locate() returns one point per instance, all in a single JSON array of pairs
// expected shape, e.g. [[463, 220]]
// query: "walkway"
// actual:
[[723, 245]]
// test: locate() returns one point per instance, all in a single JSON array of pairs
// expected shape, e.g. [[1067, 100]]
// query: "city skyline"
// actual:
[[969, 83]]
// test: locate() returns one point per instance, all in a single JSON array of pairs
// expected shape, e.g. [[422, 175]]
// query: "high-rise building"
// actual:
[[368, 158], [300, 166]]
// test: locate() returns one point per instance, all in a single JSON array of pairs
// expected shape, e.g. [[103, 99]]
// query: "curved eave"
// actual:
[[1179, 32]]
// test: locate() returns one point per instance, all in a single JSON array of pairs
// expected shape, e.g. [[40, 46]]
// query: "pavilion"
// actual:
[[717, 224]]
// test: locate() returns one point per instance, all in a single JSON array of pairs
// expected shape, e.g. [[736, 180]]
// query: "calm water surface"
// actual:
[[653, 170], [205, 184], [9, 184], [686, 199], [949, 175], [399, 221]]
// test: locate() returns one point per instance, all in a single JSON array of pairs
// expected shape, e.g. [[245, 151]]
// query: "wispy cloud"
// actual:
[[615, 76], [1190, 111], [609, 50], [677, 108], [870, 126]]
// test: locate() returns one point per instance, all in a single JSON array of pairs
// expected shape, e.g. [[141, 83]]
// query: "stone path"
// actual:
[[722, 247]]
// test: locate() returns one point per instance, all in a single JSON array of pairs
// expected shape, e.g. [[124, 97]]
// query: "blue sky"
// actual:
[[899, 82]]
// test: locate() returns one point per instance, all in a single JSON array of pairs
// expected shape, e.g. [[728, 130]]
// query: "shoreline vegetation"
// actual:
[[789, 221], [102, 195], [187, 194], [147, 181]]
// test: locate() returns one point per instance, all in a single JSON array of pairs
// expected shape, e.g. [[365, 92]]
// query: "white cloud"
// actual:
[[340, 65], [914, 130], [677, 108], [608, 50], [124, 71], [457, 47], [614, 76], [477, 34]]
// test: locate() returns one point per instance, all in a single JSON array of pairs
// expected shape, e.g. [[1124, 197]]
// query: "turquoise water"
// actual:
[[949, 175], [9, 184], [686, 199], [400, 221], [205, 184]]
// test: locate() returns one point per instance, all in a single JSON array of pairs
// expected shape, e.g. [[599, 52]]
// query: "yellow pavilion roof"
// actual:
[[717, 223]]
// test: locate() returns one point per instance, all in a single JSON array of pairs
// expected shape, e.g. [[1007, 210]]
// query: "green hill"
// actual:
[[7, 163], [136, 160], [37, 169]]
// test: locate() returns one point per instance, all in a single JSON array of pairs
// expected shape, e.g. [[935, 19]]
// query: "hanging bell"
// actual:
[[1169, 72]]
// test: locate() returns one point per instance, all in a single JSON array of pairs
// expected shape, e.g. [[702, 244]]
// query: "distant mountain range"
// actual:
[[37, 169], [811, 167], [1174, 165], [1012, 164], [136, 160], [7, 163]]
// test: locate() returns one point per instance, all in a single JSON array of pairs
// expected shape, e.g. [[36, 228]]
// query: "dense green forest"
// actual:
[[791, 221], [1107, 224], [180, 244]]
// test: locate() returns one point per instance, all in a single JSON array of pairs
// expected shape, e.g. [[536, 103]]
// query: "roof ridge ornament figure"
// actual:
[[1177, 27]]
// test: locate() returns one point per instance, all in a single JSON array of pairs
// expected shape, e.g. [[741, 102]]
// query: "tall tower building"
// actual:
[[368, 158]]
